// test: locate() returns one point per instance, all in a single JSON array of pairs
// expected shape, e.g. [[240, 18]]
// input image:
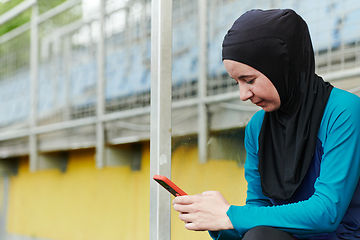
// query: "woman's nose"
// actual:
[[245, 92]]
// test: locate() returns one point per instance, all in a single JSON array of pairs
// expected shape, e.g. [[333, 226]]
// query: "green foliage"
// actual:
[[4, 7], [14, 54], [14, 23], [44, 5]]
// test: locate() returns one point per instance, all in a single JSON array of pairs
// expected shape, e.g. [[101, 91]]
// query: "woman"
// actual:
[[303, 148]]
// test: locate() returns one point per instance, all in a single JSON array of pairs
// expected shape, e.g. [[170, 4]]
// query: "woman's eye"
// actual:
[[250, 81]]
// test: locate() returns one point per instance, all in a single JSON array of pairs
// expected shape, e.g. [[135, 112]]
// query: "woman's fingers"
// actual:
[[191, 226], [206, 211], [186, 200], [185, 217], [182, 208], [183, 203], [186, 203]]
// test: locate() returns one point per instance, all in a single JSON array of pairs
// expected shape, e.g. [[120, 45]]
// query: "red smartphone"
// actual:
[[169, 185]]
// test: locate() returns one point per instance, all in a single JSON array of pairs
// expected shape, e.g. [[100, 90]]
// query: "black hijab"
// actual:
[[277, 43]]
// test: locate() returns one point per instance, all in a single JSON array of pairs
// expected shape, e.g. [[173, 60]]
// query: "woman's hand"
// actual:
[[206, 211]]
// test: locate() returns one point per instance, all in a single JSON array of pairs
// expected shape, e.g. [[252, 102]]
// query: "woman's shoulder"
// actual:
[[337, 92], [342, 110], [341, 101]]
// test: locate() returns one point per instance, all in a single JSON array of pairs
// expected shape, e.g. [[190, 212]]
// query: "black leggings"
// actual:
[[267, 233]]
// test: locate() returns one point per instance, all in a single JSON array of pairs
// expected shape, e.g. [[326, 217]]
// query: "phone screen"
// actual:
[[169, 185]]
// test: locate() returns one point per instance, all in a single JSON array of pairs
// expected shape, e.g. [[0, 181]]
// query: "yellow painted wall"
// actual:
[[110, 203]]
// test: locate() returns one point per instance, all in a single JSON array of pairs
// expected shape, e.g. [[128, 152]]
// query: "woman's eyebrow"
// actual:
[[242, 77], [245, 76]]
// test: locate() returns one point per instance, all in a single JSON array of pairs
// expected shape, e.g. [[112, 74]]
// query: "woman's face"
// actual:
[[253, 85]]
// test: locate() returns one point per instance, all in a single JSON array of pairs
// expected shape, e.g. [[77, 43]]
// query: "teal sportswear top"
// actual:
[[327, 203]]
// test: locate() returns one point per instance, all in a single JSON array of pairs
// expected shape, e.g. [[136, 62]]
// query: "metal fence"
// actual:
[[82, 64]]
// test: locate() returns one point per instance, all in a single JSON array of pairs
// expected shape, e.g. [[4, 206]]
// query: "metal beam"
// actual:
[[203, 115], [160, 130], [341, 74], [18, 133], [100, 129], [34, 62]]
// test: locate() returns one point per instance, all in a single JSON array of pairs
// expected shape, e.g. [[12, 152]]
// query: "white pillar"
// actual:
[[160, 132], [34, 62], [202, 109], [100, 129]]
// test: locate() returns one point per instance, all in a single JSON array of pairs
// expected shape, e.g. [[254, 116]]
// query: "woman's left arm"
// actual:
[[334, 188]]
